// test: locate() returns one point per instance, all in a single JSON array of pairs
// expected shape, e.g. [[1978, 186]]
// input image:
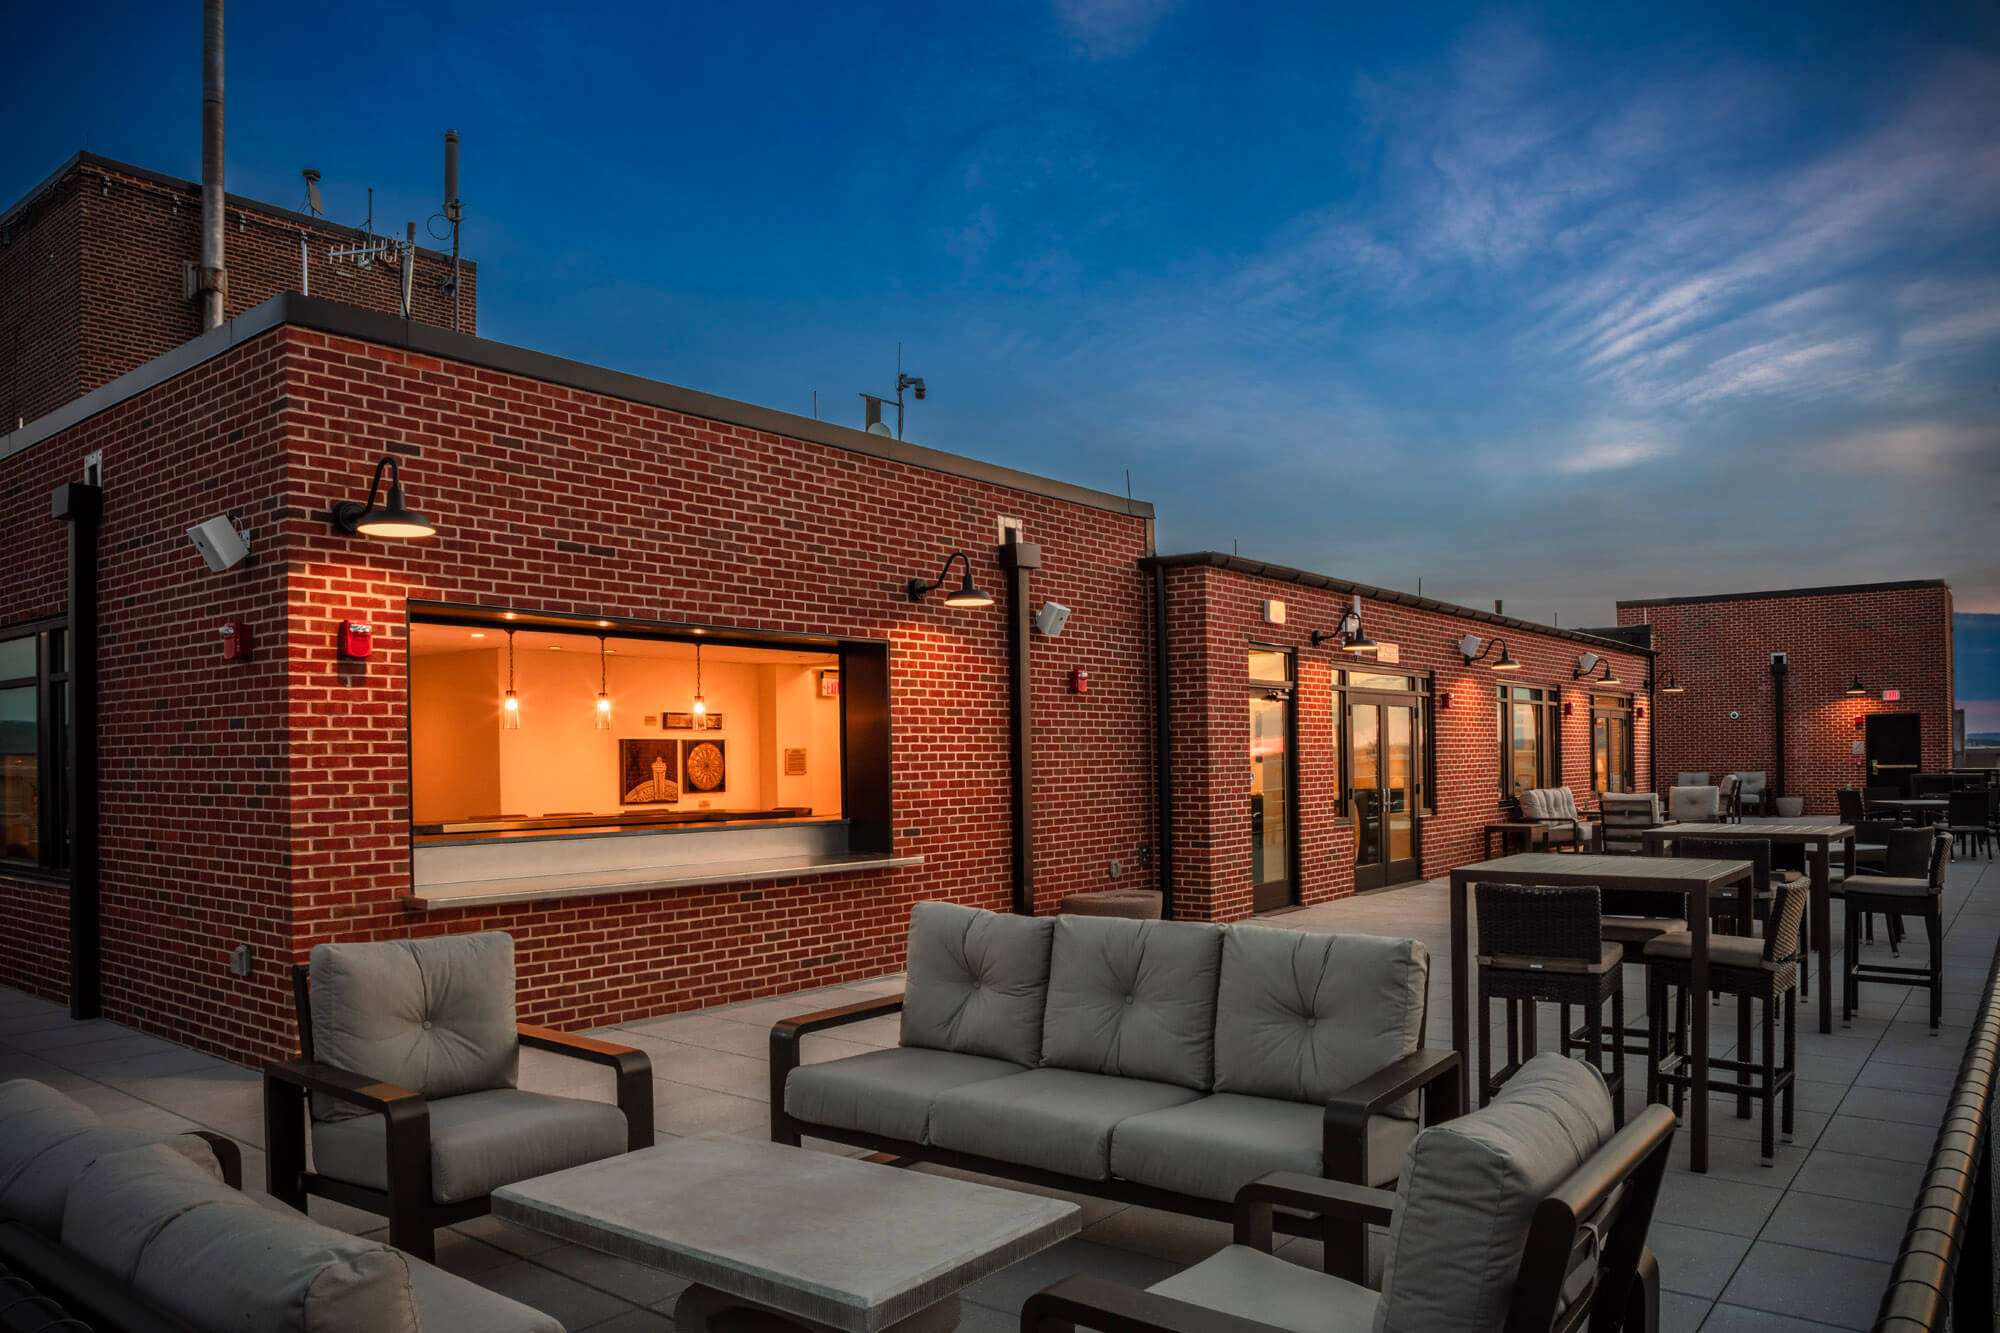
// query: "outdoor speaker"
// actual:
[[219, 542], [1051, 618]]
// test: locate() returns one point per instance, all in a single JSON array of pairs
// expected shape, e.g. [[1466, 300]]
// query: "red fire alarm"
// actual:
[[1860, 722], [1079, 681], [355, 639], [235, 641], [1444, 702], [1569, 706], [1639, 711]]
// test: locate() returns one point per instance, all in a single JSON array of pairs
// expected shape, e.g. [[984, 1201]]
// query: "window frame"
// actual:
[[1287, 689], [51, 681], [1548, 753], [1620, 706], [1422, 696]]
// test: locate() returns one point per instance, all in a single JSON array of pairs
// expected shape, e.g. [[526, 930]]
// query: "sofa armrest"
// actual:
[[227, 1156], [1093, 1302], [1435, 1071], [785, 1036], [633, 1068], [1307, 1194]]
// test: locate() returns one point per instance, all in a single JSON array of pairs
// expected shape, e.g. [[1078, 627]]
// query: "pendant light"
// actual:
[[510, 703], [603, 694], [700, 704]]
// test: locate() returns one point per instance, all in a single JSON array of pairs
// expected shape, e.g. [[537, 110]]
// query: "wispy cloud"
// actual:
[[1107, 29], [1611, 456]]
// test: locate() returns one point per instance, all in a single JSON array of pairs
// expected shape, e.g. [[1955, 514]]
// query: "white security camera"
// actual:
[[220, 544], [1051, 618]]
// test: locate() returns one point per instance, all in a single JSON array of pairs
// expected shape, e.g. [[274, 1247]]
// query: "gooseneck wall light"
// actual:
[[1673, 685], [1352, 637], [965, 595], [510, 702], [1589, 662], [392, 518], [1472, 648], [1857, 689]]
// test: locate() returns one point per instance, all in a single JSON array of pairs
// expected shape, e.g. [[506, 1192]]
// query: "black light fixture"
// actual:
[[1673, 686], [700, 709], [1857, 689], [965, 595], [390, 519], [1589, 662], [1352, 637], [510, 702], [1472, 649], [603, 689]]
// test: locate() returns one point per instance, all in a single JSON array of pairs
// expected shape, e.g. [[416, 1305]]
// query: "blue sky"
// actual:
[[1555, 304]]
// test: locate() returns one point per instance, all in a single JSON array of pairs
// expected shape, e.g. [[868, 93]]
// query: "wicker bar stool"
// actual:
[[1765, 971], [1543, 944], [1915, 883]]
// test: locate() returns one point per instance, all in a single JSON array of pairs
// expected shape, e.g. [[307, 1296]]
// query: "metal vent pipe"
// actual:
[[213, 284]]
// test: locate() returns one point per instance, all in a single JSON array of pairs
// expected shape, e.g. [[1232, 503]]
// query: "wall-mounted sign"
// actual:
[[1891, 696], [829, 683], [795, 763]]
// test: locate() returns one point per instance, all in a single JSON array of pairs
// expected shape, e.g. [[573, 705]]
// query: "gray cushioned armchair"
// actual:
[[408, 1052]]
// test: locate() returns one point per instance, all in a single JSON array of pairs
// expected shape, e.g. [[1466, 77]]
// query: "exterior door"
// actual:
[[1271, 801], [1895, 749], [1382, 762]]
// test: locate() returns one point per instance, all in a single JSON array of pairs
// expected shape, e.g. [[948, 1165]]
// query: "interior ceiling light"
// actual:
[[965, 595], [392, 518], [603, 690], [510, 703], [700, 704]]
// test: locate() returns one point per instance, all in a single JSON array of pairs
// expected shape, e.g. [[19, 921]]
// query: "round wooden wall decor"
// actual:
[[704, 766]]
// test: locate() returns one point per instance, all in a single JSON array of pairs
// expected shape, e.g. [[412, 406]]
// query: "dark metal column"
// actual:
[[1163, 717], [1777, 787], [1018, 558], [81, 506]]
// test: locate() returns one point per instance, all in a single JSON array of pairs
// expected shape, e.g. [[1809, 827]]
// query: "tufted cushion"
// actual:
[[1303, 1017], [215, 1258], [1693, 805], [1534, 803], [47, 1140], [1134, 999], [1469, 1190], [432, 1015], [978, 982]]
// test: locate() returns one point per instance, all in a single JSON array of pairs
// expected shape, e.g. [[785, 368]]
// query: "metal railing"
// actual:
[[1945, 1266]]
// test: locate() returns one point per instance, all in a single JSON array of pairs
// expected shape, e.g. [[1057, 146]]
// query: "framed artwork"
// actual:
[[703, 767], [829, 683], [649, 772], [677, 722]]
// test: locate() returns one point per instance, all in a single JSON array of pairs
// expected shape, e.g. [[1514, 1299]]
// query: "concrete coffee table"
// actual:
[[770, 1234]]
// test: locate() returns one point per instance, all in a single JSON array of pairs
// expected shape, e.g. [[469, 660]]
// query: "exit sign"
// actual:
[[1891, 696]]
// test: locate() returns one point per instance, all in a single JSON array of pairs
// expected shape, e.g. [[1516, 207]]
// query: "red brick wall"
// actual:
[[1217, 614], [192, 769], [1720, 651], [91, 283], [269, 802]]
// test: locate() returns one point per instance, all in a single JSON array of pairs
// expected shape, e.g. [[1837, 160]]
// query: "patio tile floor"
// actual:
[[1804, 1244]]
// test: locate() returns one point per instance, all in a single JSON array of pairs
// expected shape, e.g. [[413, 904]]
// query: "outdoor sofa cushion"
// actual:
[[1056, 1119], [447, 1303], [1134, 999], [1694, 805], [885, 1092], [216, 1258], [1253, 1285], [479, 1141], [1469, 1189], [1304, 1017], [1213, 1147], [432, 1015], [978, 982], [47, 1139]]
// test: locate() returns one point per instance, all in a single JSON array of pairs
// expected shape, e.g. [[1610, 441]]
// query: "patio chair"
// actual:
[[1923, 851], [1555, 808], [1750, 795], [1727, 808], [1529, 1214], [1931, 785], [1765, 971], [1545, 944], [1694, 805], [1968, 819], [1722, 902], [409, 1051], [1626, 816], [1853, 808], [1688, 779]]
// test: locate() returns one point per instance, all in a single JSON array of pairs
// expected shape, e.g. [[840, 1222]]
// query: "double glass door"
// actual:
[[1384, 771]]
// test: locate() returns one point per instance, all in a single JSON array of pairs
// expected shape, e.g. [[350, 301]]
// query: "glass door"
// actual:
[[1384, 768], [1270, 801]]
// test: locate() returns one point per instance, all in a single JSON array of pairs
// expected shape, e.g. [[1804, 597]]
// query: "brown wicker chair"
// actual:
[[1544, 944]]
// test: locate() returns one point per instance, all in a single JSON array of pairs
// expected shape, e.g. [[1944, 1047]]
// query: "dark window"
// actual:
[[34, 748], [1530, 738], [1611, 742]]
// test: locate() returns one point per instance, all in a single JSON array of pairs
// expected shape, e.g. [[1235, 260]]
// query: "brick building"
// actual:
[[93, 280], [1863, 694]]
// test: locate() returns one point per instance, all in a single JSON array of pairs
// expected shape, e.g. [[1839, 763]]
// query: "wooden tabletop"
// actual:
[[1912, 803], [1633, 872], [1773, 832]]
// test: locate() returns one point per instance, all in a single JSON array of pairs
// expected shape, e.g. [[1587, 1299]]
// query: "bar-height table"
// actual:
[[1819, 836], [1692, 879]]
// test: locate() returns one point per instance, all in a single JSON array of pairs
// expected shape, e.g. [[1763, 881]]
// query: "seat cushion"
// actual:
[[1214, 1147], [1889, 886], [215, 1258], [885, 1092], [432, 1015], [48, 1139], [1723, 950], [1469, 1189], [1056, 1119], [479, 1142], [1277, 1293], [1134, 999], [448, 1303], [1304, 1017], [978, 982], [1639, 929]]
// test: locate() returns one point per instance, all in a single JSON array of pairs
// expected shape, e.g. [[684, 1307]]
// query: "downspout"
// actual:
[[79, 506], [1163, 746], [1778, 670], [1018, 558], [213, 280]]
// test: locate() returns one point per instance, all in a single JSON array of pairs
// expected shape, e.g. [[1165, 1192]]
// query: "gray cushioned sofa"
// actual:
[[149, 1233], [1165, 1063]]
